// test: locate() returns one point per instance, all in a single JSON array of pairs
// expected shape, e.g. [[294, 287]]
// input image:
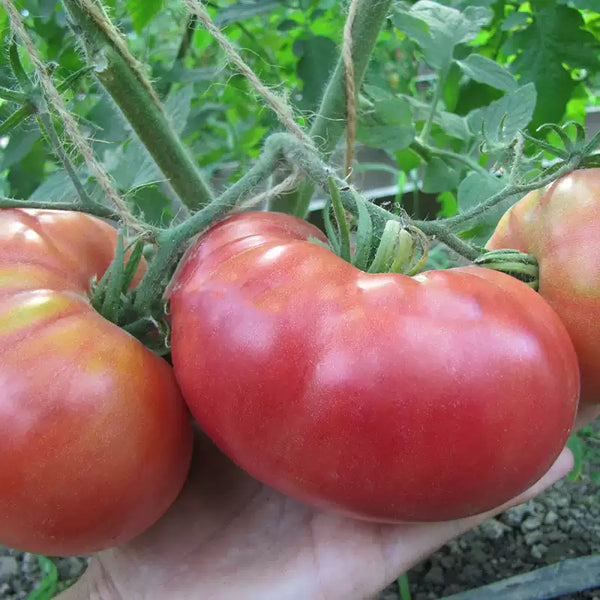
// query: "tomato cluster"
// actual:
[[378, 396]]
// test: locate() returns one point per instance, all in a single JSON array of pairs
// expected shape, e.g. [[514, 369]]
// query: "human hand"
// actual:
[[228, 536]]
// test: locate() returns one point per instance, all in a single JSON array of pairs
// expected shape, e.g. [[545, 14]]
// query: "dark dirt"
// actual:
[[562, 523]]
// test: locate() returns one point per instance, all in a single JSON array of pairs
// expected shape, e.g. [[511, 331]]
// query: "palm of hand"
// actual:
[[228, 536]]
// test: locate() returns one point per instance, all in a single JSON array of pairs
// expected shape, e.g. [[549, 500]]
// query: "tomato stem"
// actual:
[[331, 118], [119, 73], [340, 217], [512, 190]]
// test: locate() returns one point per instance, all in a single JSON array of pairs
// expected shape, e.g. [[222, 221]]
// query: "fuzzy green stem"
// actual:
[[425, 150], [439, 231], [331, 117], [47, 127], [511, 190], [332, 114], [437, 95], [133, 95], [171, 242], [97, 210], [16, 118], [340, 217]]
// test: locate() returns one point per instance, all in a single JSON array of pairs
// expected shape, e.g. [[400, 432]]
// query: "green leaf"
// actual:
[[143, 11], [393, 111], [438, 29], [407, 160], [454, 125], [515, 19], [449, 206], [485, 70], [576, 446], [593, 5], [20, 143], [390, 125], [55, 188], [240, 11], [439, 176], [475, 188], [155, 206], [47, 587], [501, 119], [364, 167], [555, 37], [387, 137], [317, 59]]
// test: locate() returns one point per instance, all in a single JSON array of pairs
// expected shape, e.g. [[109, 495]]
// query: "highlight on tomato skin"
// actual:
[[376, 396], [96, 439], [560, 226]]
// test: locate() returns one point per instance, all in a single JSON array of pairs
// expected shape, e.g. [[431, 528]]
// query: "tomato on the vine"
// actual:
[[96, 440], [379, 396], [560, 226]]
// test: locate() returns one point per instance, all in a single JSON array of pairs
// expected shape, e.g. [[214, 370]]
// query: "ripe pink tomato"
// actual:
[[378, 396], [560, 225], [96, 440]]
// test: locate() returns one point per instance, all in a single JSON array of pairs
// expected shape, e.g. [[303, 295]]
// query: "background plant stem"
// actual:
[[330, 122], [141, 108]]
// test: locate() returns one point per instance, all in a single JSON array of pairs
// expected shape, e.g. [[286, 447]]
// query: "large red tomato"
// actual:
[[373, 395], [96, 440], [560, 225]]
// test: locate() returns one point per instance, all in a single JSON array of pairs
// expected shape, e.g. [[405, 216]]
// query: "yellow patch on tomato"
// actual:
[[30, 308]]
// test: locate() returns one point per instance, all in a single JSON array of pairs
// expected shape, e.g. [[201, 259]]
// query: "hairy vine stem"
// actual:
[[330, 121], [55, 101], [171, 241], [98, 210], [512, 190], [119, 73]]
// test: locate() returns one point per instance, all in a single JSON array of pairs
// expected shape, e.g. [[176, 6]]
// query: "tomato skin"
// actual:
[[376, 396], [96, 440], [560, 225]]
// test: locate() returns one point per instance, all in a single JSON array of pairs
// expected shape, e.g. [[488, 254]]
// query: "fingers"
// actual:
[[406, 545]]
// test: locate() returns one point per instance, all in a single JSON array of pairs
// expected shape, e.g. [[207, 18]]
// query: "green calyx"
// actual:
[[402, 248], [522, 266], [112, 298]]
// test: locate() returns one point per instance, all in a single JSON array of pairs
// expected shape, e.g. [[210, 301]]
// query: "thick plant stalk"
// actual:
[[116, 70], [331, 118]]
